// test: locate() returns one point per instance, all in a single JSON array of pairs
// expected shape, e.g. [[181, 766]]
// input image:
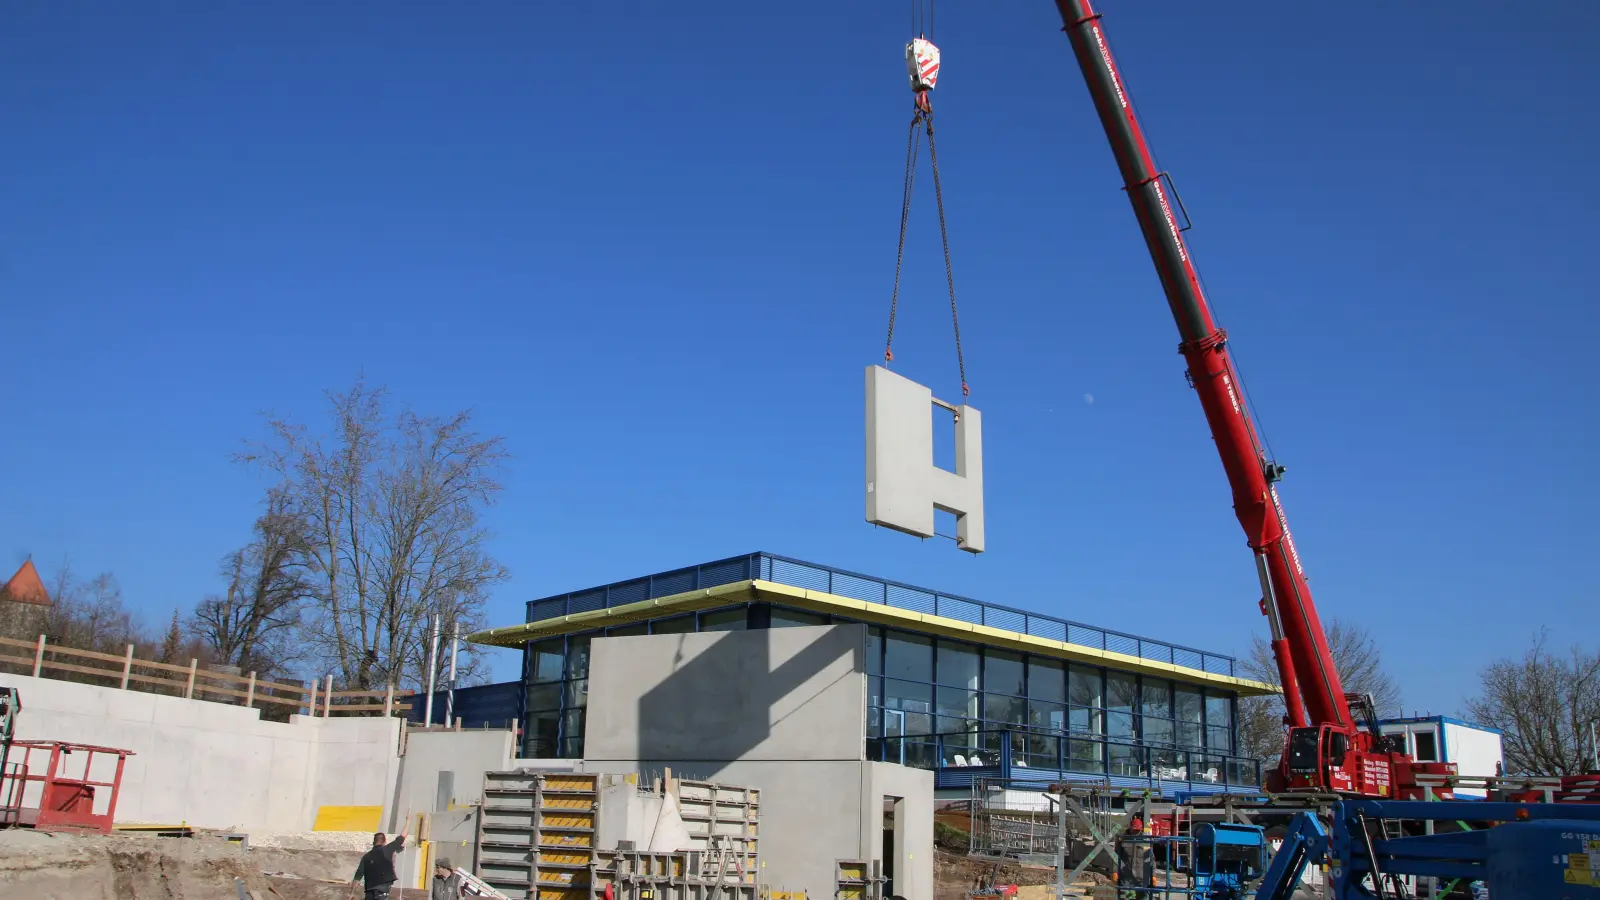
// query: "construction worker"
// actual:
[[376, 869], [446, 883], [1136, 862]]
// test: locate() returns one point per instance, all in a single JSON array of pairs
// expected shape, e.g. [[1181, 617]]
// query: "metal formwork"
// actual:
[[536, 841], [536, 834]]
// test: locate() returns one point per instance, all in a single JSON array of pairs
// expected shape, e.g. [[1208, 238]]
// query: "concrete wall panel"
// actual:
[[778, 694], [211, 764]]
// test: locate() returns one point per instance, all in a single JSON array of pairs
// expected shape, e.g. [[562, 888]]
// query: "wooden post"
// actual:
[[188, 691], [127, 667], [327, 700], [458, 723], [38, 657], [388, 700], [250, 693]]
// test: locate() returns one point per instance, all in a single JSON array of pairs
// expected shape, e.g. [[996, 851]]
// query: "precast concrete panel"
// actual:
[[904, 487]]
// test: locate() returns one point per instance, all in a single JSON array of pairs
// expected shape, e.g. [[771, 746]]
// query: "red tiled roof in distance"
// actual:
[[26, 587]]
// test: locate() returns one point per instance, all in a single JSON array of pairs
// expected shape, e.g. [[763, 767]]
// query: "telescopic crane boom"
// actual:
[[1325, 748]]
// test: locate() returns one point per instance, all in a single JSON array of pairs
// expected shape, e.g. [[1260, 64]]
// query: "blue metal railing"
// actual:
[[1024, 755], [866, 588]]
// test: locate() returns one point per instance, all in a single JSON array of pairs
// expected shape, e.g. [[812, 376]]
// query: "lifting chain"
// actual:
[[924, 117]]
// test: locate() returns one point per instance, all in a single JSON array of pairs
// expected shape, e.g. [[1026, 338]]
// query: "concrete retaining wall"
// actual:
[[213, 765]]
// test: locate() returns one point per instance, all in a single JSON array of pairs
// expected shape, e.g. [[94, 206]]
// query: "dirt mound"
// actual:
[[123, 867], [955, 875]]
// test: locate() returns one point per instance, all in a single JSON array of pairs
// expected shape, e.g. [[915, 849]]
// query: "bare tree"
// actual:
[[251, 625], [88, 615], [391, 510], [1545, 706], [1355, 653]]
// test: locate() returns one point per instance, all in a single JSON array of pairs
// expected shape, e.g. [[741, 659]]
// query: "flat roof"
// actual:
[[768, 578], [1437, 720]]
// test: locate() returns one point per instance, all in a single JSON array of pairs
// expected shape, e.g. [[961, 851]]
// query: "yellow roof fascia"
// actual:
[[884, 614], [877, 613], [688, 601]]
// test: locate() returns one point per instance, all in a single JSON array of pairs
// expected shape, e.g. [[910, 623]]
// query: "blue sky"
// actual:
[[651, 244]]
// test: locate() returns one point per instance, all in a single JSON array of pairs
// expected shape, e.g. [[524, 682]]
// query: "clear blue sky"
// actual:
[[652, 245]]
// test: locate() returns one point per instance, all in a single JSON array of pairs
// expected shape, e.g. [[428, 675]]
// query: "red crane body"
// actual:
[[1325, 749]]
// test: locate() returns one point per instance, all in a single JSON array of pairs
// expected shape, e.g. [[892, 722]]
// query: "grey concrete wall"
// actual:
[[778, 694], [465, 754], [213, 765], [913, 837], [781, 710]]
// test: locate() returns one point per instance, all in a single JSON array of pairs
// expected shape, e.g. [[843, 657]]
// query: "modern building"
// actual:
[[960, 686]]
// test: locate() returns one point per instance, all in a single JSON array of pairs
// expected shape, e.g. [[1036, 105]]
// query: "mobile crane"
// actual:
[[1325, 749]]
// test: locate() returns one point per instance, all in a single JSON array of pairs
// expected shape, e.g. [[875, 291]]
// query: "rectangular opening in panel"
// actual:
[[894, 823], [944, 438]]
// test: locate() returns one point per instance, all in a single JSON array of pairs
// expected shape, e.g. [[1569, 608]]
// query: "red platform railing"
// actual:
[[58, 786]]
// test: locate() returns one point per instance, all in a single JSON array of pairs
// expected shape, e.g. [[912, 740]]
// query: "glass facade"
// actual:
[[948, 704]]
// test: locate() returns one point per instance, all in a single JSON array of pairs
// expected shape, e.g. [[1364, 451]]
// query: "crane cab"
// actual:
[[1319, 757]]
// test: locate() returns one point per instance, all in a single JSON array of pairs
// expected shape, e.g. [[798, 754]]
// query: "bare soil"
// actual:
[[956, 876], [43, 866]]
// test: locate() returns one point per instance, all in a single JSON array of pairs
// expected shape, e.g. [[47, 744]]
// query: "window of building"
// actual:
[[1084, 756], [731, 619], [874, 651], [915, 701], [544, 696], [1085, 687], [957, 664], [1043, 751], [1427, 749], [1219, 721], [789, 618], [549, 659], [1119, 725], [1003, 709], [1048, 716], [577, 693], [957, 702], [908, 656], [544, 728], [1157, 697], [1219, 738], [578, 656], [1187, 705], [1189, 710], [1002, 672], [1219, 708], [1125, 760], [1047, 679], [675, 625], [1087, 720], [628, 630], [1122, 691], [959, 736], [1157, 731]]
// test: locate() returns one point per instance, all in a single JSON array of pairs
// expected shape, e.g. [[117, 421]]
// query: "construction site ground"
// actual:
[[131, 866], [956, 876]]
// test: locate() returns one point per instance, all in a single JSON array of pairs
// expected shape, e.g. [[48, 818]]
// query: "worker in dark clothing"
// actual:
[[376, 869], [1136, 862], [446, 883]]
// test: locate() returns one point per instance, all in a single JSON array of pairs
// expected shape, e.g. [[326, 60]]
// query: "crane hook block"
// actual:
[[922, 62]]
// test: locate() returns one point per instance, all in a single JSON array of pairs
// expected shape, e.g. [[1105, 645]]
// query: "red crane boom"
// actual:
[[1325, 749]]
